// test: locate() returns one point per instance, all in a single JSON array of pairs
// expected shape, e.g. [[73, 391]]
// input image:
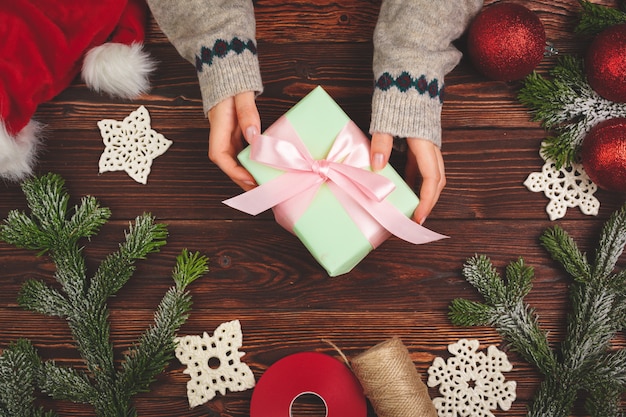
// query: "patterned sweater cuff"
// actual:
[[227, 77], [407, 115]]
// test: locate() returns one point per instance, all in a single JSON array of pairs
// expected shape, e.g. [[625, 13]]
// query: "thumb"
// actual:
[[380, 150], [247, 115]]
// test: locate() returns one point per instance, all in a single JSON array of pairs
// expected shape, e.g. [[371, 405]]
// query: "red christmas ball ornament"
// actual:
[[605, 63], [506, 41], [604, 154]]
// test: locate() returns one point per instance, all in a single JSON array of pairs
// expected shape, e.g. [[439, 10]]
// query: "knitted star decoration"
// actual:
[[471, 382], [131, 145], [214, 363], [569, 186]]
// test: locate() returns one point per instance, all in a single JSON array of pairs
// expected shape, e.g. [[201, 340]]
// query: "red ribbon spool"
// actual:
[[308, 373]]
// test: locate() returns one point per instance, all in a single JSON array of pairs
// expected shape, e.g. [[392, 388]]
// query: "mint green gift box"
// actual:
[[326, 229]]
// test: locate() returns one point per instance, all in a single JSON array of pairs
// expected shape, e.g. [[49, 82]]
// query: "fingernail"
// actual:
[[248, 182], [377, 162], [251, 133]]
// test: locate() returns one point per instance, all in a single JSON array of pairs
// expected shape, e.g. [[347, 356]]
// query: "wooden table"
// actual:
[[259, 273]]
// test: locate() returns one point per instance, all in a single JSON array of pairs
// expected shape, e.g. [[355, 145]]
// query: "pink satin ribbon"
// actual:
[[361, 192]]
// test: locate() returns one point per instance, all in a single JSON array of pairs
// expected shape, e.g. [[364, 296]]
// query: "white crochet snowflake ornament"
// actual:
[[214, 364], [471, 382], [131, 145], [569, 186]]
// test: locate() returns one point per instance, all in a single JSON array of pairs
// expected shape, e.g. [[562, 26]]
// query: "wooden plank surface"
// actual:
[[262, 275]]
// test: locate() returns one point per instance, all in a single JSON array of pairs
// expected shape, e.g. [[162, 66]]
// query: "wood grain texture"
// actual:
[[261, 274]]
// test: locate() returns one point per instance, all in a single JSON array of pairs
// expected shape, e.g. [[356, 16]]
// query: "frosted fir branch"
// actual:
[[504, 309], [593, 321], [471, 313], [584, 362], [81, 300], [604, 401], [617, 283], [612, 242], [519, 281], [19, 368], [594, 18], [564, 250], [21, 231], [87, 219], [597, 311], [605, 385], [155, 349], [90, 329], [48, 200], [553, 398], [567, 106], [189, 267], [480, 272], [609, 370], [143, 237], [52, 228], [64, 383], [590, 326], [519, 326], [37, 296]]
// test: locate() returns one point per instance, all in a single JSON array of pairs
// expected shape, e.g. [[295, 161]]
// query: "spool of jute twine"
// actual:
[[391, 382]]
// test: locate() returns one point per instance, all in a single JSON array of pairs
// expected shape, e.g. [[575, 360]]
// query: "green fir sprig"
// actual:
[[584, 361], [81, 300], [594, 18], [566, 105]]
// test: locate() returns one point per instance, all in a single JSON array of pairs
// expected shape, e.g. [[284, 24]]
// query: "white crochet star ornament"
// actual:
[[567, 187], [471, 382], [214, 363], [131, 145]]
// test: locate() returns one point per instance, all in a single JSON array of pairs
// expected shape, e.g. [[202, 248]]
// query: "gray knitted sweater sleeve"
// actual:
[[219, 38], [413, 52]]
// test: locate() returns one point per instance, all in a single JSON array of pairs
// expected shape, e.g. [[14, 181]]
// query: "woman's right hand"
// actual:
[[229, 120]]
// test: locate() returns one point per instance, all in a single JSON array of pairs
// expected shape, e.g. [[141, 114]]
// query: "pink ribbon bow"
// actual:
[[361, 192]]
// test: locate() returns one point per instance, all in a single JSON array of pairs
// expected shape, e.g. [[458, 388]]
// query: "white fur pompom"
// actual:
[[18, 153], [118, 69]]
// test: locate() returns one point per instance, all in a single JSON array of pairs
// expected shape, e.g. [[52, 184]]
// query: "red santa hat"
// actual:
[[45, 43]]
